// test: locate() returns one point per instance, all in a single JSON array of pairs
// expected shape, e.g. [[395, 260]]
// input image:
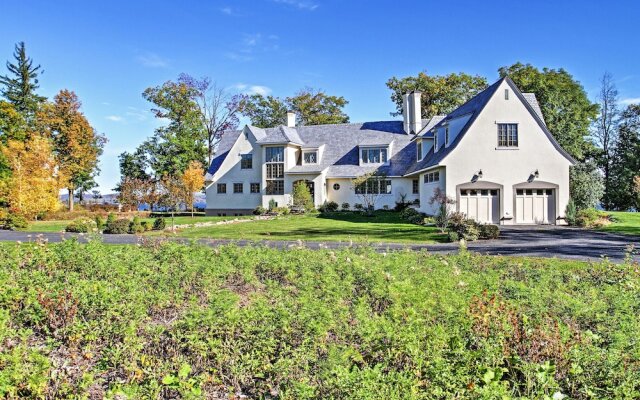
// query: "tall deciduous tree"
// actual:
[[218, 110], [441, 94], [312, 107], [625, 164], [193, 181], [605, 131], [564, 103], [35, 179], [586, 185], [76, 143], [21, 83]]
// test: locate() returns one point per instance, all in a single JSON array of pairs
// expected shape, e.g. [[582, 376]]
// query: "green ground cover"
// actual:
[[627, 223], [188, 321], [384, 226]]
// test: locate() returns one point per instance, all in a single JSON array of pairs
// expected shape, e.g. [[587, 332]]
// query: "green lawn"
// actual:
[[170, 321], [627, 223], [343, 226], [58, 226]]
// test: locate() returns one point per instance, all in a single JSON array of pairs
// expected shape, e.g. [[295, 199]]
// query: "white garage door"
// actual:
[[482, 205], [535, 206]]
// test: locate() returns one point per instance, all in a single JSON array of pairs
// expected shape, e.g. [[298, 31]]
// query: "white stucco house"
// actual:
[[494, 155]]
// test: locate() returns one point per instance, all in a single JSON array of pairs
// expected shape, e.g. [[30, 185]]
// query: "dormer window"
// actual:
[[310, 157], [419, 150], [446, 136], [374, 155], [435, 141]]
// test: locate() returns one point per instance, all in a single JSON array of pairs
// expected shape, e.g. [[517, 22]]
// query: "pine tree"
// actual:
[[626, 160], [20, 85]]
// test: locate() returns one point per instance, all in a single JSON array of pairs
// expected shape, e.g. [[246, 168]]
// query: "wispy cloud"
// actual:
[[232, 12], [152, 60], [137, 114], [252, 44], [252, 89], [234, 56], [630, 100], [114, 118], [301, 4]]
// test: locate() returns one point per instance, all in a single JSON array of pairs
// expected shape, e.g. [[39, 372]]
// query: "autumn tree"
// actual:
[[567, 110], [76, 143], [173, 195], [312, 107], [35, 179], [441, 94], [21, 83], [193, 181], [217, 109]]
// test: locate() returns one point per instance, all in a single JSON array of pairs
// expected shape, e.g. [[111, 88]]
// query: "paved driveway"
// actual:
[[535, 241]]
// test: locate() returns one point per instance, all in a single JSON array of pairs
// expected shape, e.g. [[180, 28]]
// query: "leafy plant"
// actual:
[[345, 206], [570, 214], [119, 226], [159, 224], [81, 225], [259, 211]]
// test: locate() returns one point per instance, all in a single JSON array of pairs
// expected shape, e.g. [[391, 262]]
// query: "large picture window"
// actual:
[[374, 186], [374, 155], [274, 154], [507, 135], [275, 170]]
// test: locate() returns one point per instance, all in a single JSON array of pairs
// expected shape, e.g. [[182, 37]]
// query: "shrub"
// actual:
[[570, 213], [358, 207], [329, 206], [135, 226], [110, 218], [588, 218], [259, 210], [586, 185], [99, 221], [159, 224], [402, 203], [302, 196], [453, 236], [282, 210], [345, 206], [444, 203], [15, 222], [416, 219], [272, 204], [489, 231], [80, 225], [119, 226], [147, 225], [465, 228], [408, 213]]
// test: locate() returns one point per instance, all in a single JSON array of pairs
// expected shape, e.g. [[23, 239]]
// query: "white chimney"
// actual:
[[415, 107], [291, 119], [405, 113]]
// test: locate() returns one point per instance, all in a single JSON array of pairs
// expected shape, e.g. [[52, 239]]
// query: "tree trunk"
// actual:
[[70, 199]]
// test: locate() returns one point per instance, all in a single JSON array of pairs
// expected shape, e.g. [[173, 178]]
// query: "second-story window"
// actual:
[[238, 188], [446, 136], [246, 161], [310, 157], [419, 151], [507, 135], [375, 155], [275, 170]]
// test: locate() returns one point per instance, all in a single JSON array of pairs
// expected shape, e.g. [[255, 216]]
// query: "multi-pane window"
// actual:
[[275, 187], [374, 155], [222, 188], [507, 135], [415, 186], [310, 157], [275, 170], [238, 188], [274, 154], [246, 161], [374, 186], [419, 150], [432, 177], [255, 187]]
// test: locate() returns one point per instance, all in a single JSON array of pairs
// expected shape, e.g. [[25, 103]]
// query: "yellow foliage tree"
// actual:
[[35, 181], [193, 180]]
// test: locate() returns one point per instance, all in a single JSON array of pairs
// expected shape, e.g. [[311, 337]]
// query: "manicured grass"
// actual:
[[58, 226], [384, 226], [168, 321], [627, 223]]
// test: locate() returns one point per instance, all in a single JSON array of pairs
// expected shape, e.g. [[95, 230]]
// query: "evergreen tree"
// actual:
[[21, 83], [626, 161]]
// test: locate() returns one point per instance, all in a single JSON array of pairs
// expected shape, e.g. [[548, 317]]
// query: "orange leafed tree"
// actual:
[[193, 180], [35, 179], [76, 144]]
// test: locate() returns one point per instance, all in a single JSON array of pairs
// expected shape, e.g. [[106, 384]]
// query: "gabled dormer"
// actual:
[[374, 152]]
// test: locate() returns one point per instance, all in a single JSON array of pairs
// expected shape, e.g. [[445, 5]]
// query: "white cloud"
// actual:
[[630, 100], [226, 10], [252, 89], [237, 57], [114, 118], [152, 60], [301, 4]]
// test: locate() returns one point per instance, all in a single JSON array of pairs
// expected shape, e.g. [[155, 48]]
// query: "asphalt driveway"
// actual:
[[535, 241]]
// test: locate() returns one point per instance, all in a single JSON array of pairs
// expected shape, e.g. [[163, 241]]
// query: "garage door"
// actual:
[[535, 206], [482, 205]]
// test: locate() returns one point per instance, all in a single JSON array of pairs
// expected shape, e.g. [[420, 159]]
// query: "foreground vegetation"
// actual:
[[383, 226], [170, 320]]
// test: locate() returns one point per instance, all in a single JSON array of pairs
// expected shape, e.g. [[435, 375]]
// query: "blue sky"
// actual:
[[108, 52]]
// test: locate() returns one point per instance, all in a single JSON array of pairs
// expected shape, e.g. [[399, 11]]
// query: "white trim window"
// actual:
[[238, 187], [221, 188], [246, 161], [419, 150], [432, 177], [274, 161], [373, 155], [310, 157], [374, 186], [507, 135], [435, 141]]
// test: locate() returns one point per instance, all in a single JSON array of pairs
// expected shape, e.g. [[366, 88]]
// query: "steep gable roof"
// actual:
[[224, 146]]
